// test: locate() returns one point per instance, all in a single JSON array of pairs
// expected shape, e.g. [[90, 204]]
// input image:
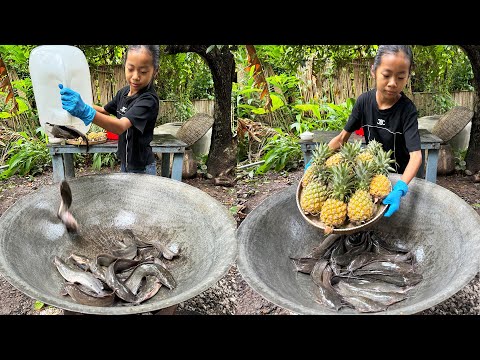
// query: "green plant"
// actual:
[[7, 139], [6, 107], [80, 160], [460, 163], [184, 109], [441, 69], [442, 102], [233, 210], [336, 116], [202, 164], [28, 155], [14, 94], [282, 151], [247, 100], [99, 160], [95, 128], [322, 116], [38, 305], [186, 75]]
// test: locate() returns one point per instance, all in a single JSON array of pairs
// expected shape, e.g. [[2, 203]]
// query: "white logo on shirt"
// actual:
[[380, 122], [123, 109]]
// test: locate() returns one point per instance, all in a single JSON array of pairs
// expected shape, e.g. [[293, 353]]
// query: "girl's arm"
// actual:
[[412, 167], [110, 123], [339, 140], [100, 109]]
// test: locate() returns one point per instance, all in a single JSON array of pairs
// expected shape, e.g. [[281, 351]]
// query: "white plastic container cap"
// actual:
[[51, 65]]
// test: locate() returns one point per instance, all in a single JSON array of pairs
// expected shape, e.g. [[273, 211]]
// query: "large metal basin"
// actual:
[[31, 234], [440, 227]]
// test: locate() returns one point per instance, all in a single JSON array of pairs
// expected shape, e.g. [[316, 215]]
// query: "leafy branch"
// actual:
[[6, 86]]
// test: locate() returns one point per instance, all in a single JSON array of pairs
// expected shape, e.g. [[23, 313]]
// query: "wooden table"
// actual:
[[166, 144], [430, 145]]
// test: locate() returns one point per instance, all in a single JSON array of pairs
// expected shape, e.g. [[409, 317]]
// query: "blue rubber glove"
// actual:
[[73, 103], [399, 189]]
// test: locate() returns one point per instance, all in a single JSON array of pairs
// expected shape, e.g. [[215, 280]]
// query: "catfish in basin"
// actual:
[[63, 211], [66, 132]]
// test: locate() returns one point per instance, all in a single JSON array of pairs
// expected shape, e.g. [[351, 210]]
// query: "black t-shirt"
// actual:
[[396, 128], [141, 109]]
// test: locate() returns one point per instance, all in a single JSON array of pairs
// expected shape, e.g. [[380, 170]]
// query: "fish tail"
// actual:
[[86, 142]]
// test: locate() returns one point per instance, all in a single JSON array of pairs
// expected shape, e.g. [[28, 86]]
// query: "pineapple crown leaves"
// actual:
[[321, 153], [363, 175], [342, 181], [350, 150], [322, 174], [370, 151], [383, 161], [374, 147]]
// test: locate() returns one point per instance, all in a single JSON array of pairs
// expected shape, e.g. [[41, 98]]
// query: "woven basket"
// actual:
[[452, 122], [194, 128]]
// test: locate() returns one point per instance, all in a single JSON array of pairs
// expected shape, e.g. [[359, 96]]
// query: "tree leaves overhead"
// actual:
[[103, 54]]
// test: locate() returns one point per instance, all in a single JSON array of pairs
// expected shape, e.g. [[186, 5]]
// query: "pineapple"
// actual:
[[350, 151], [361, 207], [334, 210], [309, 174], [369, 152], [321, 152], [374, 147], [313, 197], [380, 186], [333, 160]]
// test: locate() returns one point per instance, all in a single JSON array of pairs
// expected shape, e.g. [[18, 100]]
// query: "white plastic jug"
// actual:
[[51, 65]]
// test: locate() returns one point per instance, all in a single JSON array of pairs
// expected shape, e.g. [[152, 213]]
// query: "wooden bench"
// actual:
[[166, 144]]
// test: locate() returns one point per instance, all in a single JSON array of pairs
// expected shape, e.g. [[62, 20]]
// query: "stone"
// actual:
[[446, 160]]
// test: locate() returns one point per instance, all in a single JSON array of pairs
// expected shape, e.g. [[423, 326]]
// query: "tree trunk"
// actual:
[[223, 147], [473, 153]]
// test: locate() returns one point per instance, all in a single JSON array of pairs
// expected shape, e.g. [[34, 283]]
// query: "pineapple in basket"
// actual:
[[313, 196], [334, 210], [347, 153], [96, 136], [321, 152], [369, 152], [334, 159], [361, 208], [380, 186], [350, 151]]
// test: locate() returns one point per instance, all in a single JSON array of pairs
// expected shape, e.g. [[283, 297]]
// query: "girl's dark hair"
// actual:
[[392, 49], [154, 50]]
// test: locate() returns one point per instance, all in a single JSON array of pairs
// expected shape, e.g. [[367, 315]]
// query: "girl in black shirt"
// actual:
[[135, 106], [387, 115]]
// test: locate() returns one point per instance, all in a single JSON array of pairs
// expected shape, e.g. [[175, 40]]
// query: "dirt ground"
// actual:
[[244, 197]]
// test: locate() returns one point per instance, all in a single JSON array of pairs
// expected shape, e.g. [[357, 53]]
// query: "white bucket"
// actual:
[[51, 65]]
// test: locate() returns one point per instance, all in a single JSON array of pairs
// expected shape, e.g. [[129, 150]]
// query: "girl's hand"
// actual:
[[399, 190], [73, 103]]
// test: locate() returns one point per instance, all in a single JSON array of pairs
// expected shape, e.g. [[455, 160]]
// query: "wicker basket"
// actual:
[[452, 122], [194, 128]]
